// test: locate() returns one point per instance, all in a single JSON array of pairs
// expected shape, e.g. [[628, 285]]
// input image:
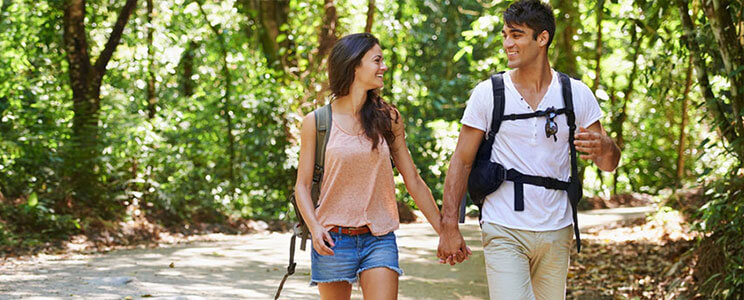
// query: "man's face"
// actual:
[[520, 46]]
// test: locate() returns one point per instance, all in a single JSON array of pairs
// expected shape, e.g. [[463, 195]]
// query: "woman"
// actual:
[[352, 228]]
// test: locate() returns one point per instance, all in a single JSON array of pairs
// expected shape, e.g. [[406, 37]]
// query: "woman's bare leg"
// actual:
[[379, 284], [334, 290]]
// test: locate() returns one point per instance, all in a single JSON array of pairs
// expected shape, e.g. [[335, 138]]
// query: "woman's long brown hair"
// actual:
[[376, 114]]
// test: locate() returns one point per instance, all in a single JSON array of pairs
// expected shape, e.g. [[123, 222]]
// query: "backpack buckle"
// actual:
[[291, 268], [317, 173]]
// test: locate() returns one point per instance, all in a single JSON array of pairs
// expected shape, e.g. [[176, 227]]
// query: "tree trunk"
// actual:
[[151, 98], [394, 59], [327, 39], [598, 45], [683, 126], [718, 108], [564, 57], [732, 53], [327, 36], [270, 16], [619, 120], [226, 111], [741, 26], [187, 65], [370, 16], [3, 6], [85, 81], [136, 206]]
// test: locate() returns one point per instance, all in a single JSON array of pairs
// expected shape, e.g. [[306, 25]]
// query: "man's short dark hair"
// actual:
[[534, 14]]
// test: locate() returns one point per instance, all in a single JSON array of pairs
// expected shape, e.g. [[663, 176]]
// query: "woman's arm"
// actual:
[[303, 186], [414, 184]]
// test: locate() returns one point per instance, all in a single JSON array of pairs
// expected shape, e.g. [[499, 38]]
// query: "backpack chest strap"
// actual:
[[539, 113]]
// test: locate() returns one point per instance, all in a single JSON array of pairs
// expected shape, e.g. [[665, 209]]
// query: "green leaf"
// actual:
[[461, 52], [33, 200], [737, 71]]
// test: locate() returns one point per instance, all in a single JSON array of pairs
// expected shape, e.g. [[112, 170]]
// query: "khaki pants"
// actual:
[[522, 264]]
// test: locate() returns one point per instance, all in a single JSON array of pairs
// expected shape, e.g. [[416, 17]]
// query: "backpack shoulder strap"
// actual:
[[499, 97], [571, 119], [323, 118], [575, 189], [567, 99]]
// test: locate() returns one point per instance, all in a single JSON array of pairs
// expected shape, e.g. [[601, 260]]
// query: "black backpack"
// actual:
[[323, 119], [486, 176]]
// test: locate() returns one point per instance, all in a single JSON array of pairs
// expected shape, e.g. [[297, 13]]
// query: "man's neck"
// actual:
[[535, 76]]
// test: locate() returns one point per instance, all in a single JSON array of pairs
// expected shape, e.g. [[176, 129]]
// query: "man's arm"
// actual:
[[598, 147], [452, 246]]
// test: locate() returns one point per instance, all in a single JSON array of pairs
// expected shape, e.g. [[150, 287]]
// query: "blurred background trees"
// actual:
[[185, 111]]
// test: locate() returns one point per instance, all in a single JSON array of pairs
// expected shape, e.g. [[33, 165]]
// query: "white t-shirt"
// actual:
[[522, 145]]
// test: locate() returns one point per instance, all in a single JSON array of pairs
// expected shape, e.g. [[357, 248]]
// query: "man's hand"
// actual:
[[452, 248], [597, 147], [591, 143]]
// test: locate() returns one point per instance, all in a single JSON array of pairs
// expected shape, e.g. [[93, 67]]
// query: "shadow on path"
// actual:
[[247, 267]]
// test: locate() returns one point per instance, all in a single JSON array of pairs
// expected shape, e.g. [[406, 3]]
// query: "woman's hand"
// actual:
[[322, 241]]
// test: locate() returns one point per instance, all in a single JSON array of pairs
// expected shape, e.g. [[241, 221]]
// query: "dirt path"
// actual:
[[246, 267]]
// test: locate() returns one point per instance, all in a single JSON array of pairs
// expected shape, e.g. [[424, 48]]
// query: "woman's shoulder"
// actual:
[[308, 118], [308, 122]]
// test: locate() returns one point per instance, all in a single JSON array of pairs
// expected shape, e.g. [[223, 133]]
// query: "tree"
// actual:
[[187, 69], [271, 18], [317, 58], [681, 147], [226, 111], [370, 16], [620, 113], [564, 56], [151, 97], [732, 53], [327, 34], [85, 81], [598, 46], [719, 108]]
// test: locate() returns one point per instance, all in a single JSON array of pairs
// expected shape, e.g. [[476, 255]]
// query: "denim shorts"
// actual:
[[354, 254]]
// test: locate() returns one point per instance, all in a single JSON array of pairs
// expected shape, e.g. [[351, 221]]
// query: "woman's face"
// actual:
[[369, 72]]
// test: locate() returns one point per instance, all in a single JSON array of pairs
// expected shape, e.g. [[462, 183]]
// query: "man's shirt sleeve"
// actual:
[[478, 110], [587, 108]]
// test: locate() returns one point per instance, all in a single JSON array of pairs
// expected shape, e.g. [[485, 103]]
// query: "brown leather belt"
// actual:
[[350, 230]]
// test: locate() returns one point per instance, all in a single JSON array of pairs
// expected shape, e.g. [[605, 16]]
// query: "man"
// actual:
[[526, 229]]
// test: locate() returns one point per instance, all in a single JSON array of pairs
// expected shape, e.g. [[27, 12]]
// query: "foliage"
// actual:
[[721, 222], [29, 225]]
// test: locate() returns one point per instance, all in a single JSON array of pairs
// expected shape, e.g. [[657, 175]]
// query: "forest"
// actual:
[[162, 114]]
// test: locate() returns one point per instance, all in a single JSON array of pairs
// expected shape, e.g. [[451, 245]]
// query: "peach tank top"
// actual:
[[358, 187]]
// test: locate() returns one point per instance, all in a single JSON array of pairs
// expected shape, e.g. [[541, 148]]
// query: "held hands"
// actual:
[[322, 241], [452, 248]]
